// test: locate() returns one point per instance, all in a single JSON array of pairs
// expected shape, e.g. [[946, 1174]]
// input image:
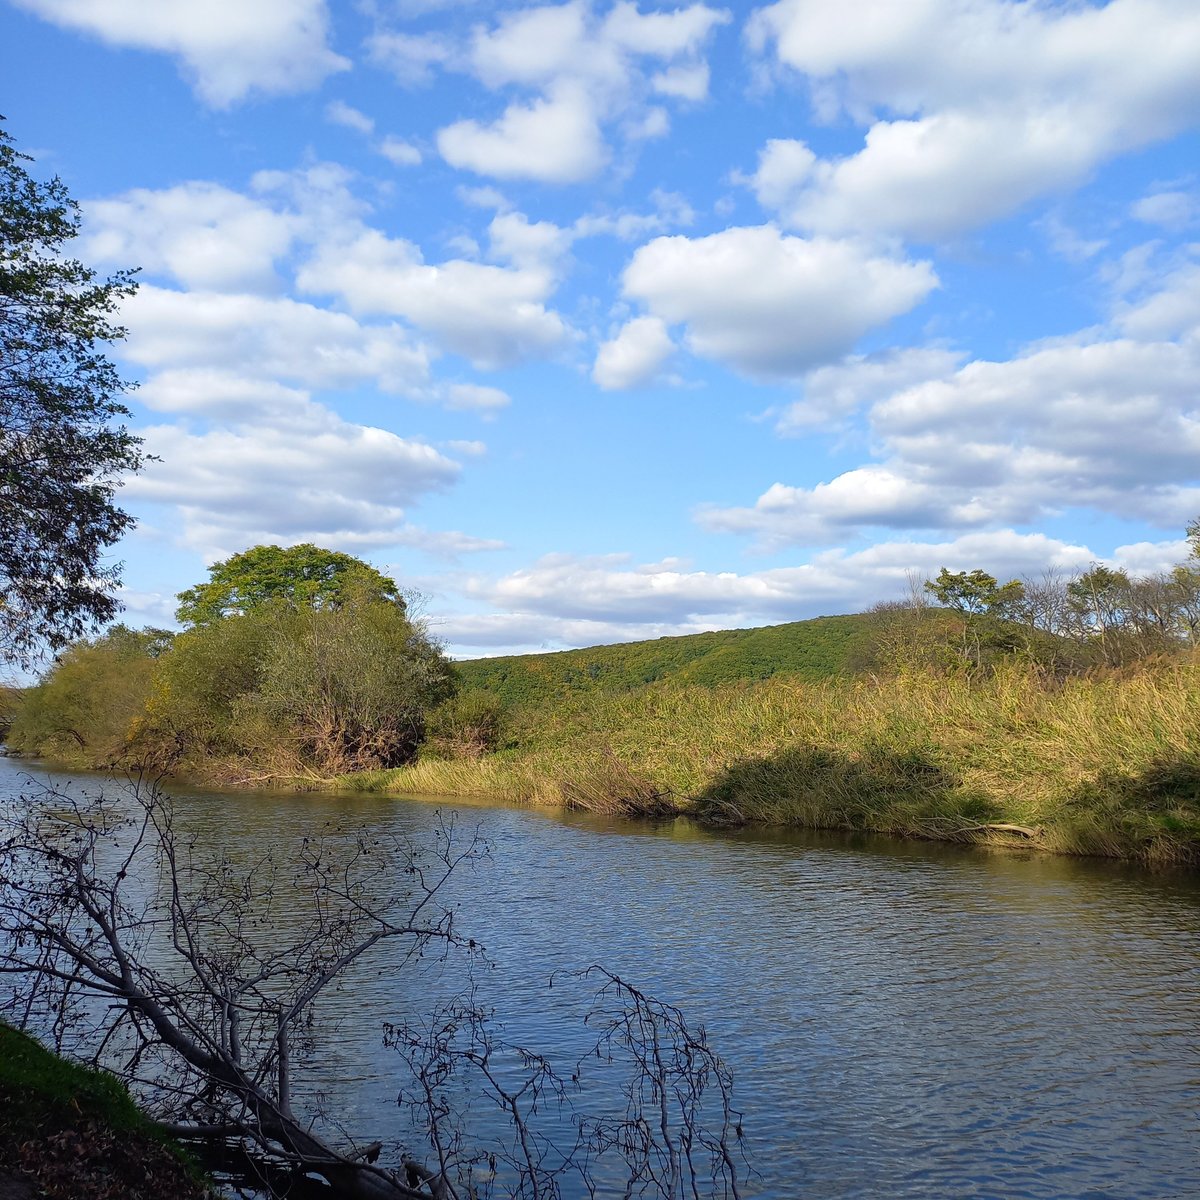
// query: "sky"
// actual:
[[603, 321]]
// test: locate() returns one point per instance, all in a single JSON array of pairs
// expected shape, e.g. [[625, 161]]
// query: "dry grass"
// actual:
[[1107, 765]]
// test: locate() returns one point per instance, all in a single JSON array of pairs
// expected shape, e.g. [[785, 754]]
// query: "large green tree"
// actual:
[[63, 451], [304, 576]]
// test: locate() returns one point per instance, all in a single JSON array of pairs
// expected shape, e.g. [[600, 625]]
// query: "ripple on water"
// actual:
[[903, 1020]]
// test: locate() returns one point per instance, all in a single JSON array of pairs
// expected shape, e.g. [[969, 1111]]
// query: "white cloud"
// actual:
[[411, 58], [685, 83], [1173, 210], [635, 356], [1110, 425], [204, 235], [340, 113], [476, 397], [973, 109], [312, 477], [492, 315], [269, 338], [585, 72], [857, 382], [582, 601], [228, 48], [220, 395], [554, 139], [1171, 309], [770, 305], [396, 150]]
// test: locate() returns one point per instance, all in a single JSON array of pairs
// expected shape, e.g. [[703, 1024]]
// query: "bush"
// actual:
[[468, 725], [86, 710], [290, 693]]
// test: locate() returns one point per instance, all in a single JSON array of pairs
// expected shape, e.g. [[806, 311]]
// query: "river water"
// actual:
[[903, 1020]]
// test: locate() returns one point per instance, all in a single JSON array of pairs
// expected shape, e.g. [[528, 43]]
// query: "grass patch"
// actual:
[[1107, 765], [76, 1132]]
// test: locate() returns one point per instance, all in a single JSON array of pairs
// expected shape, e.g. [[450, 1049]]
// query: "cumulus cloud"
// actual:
[[492, 315], [635, 356], [584, 600], [555, 139], [584, 72], [1112, 425], [225, 245], [269, 337], [845, 387], [312, 476], [227, 48], [1171, 309], [204, 235], [972, 109], [772, 305]]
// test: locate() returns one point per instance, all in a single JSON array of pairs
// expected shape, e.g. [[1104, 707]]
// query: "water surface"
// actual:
[[903, 1020]]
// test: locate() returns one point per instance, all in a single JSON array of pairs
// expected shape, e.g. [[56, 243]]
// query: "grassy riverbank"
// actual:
[[70, 1132], [1102, 765]]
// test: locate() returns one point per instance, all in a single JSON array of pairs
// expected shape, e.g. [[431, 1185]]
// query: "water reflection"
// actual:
[[905, 1019]]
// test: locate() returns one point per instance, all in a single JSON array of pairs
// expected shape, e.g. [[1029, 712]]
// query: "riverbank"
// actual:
[[73, 1133], [1104, 765]]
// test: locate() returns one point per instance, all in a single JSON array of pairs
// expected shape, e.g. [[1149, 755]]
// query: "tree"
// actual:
[[304, 576], [1099, 603], [984, 604], [87, 709], [62, 456], [286, 693]]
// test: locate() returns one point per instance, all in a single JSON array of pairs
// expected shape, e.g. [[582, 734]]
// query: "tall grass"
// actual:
[[1104, 765]]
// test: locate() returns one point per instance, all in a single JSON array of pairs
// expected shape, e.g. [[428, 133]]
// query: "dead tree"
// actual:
[[203, 1003], [196, 982], [667, 1128]]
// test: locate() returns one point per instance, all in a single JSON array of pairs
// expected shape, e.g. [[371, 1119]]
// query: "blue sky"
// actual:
[[605, 321]]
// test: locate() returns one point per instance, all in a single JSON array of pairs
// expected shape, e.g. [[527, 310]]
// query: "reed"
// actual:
[[1106, 765]]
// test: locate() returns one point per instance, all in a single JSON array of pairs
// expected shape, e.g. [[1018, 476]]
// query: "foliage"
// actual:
[[61, 455], [304, 576], [283, 692], [323, 672], [467, 725], [815, 649], [87, 708]]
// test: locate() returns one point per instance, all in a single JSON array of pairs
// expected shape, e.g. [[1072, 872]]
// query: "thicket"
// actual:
[[278, 689]]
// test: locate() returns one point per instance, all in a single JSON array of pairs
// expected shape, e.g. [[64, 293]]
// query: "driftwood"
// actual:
[[1001, 827]]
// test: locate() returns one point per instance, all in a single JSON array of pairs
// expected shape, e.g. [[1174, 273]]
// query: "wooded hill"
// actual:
[[822, 648]]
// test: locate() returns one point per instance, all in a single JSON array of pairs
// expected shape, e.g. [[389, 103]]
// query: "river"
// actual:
[[903, 1020]]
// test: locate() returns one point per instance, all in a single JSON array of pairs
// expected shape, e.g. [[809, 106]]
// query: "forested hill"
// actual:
[[816, 649]]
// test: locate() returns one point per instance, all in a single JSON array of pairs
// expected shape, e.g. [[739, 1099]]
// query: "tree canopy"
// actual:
[[62, 454], [304, 576]]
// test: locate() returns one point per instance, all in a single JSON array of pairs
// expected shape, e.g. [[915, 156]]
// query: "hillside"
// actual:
[[822, 648]]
